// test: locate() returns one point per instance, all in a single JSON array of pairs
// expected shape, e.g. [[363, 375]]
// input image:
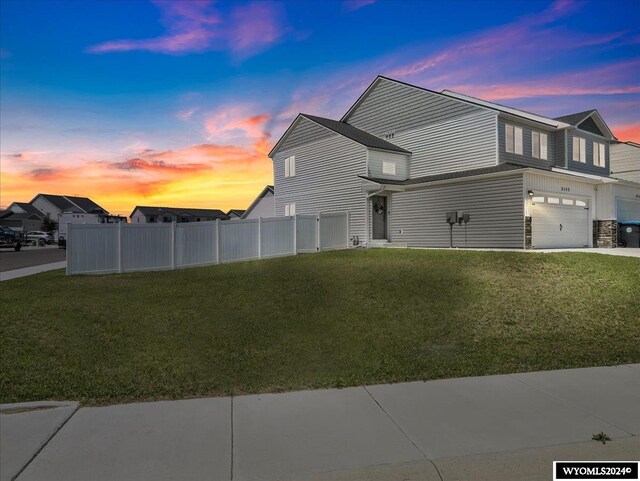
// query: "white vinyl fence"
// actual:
[[109, 248]]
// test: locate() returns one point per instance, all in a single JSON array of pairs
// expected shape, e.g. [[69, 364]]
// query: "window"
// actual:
[[553, 200], [290, 166], [538, 199], [567, 202], [389, 168], [579, 150], [580, 203], [513, 139], [152, 219], [166, 219], [539, 145], [599, 155], [289, 209]]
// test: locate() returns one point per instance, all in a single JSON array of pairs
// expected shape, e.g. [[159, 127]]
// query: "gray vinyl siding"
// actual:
[[588, 167], [625, 162], [496, 207], [304, 132], [526, 158], [559, 148], [393, 106], [463, 143], [377, 157], [326, 179]]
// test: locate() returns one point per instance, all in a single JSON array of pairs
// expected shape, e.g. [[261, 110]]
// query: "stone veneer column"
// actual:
[[605, 233], [527, 232]]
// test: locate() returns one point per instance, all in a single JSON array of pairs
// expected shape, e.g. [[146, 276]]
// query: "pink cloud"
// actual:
[[606, 80], [195, 26], [353, 5], [628, 132], [237, 124]]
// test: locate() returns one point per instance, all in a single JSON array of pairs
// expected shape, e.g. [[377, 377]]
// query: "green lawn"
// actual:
[[312, 321]]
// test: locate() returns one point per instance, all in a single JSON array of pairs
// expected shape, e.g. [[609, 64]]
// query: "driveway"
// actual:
[[30, 256]]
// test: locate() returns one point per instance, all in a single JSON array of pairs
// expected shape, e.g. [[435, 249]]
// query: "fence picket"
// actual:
[[108, 248]]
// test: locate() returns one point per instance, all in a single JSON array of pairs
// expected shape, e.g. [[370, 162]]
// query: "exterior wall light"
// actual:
[[530, 192]]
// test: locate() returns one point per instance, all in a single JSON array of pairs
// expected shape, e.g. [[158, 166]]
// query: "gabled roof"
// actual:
[[504, 167], [578, 118], [462, 98], [68, 203], [555, 123], [152, 210], [237, 212], [10, 215], [346, 130], [356, 134], [29, 209], [267, 190], [85, 204], [58, 201]]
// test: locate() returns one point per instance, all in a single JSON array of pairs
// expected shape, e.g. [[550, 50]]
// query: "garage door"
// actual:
[[559, 222], [627, 209]]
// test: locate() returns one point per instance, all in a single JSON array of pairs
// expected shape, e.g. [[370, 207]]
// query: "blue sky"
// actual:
[[143, 102]]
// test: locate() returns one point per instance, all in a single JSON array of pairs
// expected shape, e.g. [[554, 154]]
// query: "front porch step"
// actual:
[[383, 243], [395, 245], [378, 243]]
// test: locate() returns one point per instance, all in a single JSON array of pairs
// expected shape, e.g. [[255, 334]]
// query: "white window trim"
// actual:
[[290, 209], [579, 154], [513, 145], [542, 140], [599, 154], [290, 166], [388, 168]]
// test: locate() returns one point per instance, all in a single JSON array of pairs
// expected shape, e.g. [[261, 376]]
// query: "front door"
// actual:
[[379, 214]]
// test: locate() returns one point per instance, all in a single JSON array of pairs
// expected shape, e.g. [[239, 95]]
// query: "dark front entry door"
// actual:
[[379, 214]]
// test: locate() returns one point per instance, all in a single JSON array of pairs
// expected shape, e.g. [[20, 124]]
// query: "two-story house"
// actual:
[[403, 157]]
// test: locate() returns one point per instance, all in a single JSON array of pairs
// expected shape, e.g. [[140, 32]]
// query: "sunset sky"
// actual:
[[178, 103]]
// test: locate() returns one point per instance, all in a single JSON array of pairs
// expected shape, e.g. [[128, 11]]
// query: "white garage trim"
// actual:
[[588, 208]]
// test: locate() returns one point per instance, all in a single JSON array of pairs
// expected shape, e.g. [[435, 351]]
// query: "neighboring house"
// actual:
[[235, 214], [20, 221], [625, 161], [53, 205], [402, 157], [26, 208], [150, 215], [262, 206]]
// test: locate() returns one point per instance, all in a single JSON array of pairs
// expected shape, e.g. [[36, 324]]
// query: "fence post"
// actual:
[[173, 244], [69, 270], [217, 241], [259, 237], [120, 270], [317, 232], [348, 222], [295, 234]]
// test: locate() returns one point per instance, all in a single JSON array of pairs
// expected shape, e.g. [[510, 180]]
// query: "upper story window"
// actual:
[[599, 156], [290, 166], [289, 209], [579, 150], [513, 139], [539, 142], [389, 168]]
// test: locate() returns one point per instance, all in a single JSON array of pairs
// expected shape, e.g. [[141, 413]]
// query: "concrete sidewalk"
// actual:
[[29, 271], [493, 427]]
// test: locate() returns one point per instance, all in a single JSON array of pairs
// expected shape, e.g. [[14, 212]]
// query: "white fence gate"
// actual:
[[109, 248]]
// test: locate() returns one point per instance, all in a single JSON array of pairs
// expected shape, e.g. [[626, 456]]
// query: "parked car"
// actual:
[[40, 237], [62, 242], [10, 238]]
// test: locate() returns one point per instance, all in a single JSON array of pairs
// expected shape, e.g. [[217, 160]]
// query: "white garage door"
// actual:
[[627, 209], [559, 222]]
